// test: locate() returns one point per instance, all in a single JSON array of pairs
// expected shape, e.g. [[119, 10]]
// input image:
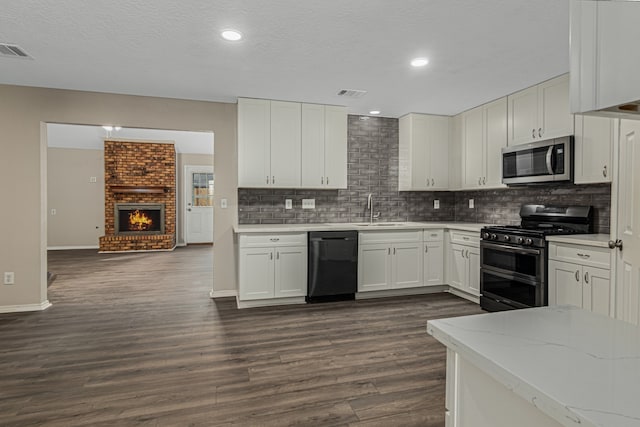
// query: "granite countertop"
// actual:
[[283, 228], [579, 368], [597, 240]]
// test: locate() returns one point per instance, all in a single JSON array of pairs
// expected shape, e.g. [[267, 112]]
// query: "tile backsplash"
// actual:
[[373, 168]]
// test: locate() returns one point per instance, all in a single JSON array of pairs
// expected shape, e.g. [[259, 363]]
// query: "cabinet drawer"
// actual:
[[465, 238], [261, 240], [433, 235], [384, 236], [596, 257]]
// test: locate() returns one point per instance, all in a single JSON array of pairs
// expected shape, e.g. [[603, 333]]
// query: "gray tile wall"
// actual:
[[373, 168]]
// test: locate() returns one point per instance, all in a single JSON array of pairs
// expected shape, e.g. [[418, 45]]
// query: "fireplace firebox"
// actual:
[[139, 218]]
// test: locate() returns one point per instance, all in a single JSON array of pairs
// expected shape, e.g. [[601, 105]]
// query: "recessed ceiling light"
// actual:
[[374, 112], [419, 62], [231, 35]]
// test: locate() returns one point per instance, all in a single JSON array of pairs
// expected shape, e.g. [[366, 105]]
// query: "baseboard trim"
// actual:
[[180, 245], [70, 248], [25, 307], [422, 290], [138, 251], [270, 302], [223, 294], [464, 295]]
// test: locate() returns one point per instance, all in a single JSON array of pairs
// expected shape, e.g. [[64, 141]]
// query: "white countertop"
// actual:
[[284, 228], [580, 368], [597, 240]]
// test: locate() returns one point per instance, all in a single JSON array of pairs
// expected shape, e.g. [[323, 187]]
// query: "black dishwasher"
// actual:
[[333, 265]]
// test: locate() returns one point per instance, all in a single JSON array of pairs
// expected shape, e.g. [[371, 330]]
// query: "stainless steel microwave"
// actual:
[[538, 162]]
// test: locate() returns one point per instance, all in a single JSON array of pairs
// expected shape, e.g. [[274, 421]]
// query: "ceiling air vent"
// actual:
[[352, 93], [13, 51]]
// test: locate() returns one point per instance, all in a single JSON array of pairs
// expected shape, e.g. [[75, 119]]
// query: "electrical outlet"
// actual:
[[308, 203], [53, 212], [471, 204], [223, 204], [288, 204], [9, 278], [436, 204], [93, 179]]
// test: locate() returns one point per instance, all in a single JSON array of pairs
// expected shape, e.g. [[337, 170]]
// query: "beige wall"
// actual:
[[79, 204], [23, 171], [187, 159]]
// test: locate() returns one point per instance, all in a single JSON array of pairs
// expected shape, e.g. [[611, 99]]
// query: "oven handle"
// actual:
[[549, 160], [522, 251]]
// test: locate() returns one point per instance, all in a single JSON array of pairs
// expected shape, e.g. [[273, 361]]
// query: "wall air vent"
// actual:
[[352, 93], [13, 51]]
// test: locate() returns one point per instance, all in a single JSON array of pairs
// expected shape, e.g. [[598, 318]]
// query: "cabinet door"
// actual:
[[374, 267], [335, 147], [290, 271], [457, 267], [522, 117], [473, 276], [433, 264], [554, 116], [438, 141], [596, 290], [495, 141], [565, 283], [473, 150], [256, 273], [406, 265], [313, 146], [419, 153], [285, 144], [254, 136], [593, 147]]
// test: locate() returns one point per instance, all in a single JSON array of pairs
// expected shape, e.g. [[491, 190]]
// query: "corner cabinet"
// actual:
[[463, 262], [424, 152], [484, 134], [594, 141], [291, 145], [540, 112], [324, 146], [272, 266], [580, 276], [389, 260]]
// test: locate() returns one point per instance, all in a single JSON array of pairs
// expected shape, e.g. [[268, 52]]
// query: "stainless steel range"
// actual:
[[513, 272]]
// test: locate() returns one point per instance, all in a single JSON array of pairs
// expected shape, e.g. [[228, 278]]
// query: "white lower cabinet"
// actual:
[[272, 266], [580, 276], [463, 262], [389, 260], [433, 263]]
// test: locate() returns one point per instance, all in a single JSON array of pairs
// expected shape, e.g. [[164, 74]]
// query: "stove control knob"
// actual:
[[520, 240], [486, 235], [506, 238], [494, 236], [528, 242]]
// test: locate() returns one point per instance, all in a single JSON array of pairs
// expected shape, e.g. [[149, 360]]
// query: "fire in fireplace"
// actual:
[[139, 218]]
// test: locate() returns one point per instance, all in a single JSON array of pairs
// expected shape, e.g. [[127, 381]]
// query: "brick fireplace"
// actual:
[[140, 196]]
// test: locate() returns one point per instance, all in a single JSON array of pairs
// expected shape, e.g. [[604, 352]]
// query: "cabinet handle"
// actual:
[[484, 180], [540, 132], [394, 251], [277, 255], [586, 277], [427, 182], [327, 180], [604, 171], [584, 255], [274, 239], [479, 180], [426, 249], [433, 182], [577, 275], [322, 180], [533, 133], [273, 179], [267, 179], [388, 251], [271, 255]]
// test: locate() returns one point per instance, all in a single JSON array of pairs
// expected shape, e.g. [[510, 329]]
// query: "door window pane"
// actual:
[[202, 190]]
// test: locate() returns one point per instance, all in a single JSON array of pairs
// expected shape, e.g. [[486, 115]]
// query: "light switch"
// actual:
[[436, 204], [471, 204], [53, 212], [308, 203], [93, 179], [223, 203], [288, 204]]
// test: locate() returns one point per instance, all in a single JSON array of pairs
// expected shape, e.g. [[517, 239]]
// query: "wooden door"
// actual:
[[554, 116], [596, 290], [254, 139], [433, 264], [438, 152], [256, 273], [495, 140], [473, 148], [198, 223], [473, 265], [285, 144], [290, 271], [406, 265], [593, 148], [312, 146], [565, 283], [522, 117], [335, 147], [374, 267]]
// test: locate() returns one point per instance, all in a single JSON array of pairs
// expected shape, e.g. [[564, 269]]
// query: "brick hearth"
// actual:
[[132, 170]]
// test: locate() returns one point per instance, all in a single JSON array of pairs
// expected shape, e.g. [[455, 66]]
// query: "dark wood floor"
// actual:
[[135, 340]]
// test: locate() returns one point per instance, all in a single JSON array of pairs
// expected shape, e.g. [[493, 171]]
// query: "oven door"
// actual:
[[526, 264], [511, 291]]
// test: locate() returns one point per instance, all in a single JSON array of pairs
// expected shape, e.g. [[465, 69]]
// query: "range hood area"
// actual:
[[605, 66]]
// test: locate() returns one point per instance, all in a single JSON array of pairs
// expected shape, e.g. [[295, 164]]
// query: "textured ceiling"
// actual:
[[299, 50]]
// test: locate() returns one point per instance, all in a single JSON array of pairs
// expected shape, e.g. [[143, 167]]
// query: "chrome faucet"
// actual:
[[370, 207]]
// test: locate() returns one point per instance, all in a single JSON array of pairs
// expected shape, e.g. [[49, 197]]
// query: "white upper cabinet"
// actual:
[[324, 146], [484, 136], [424, 152], [593, 148], [291, 145], [540, 112], [254, 142]]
